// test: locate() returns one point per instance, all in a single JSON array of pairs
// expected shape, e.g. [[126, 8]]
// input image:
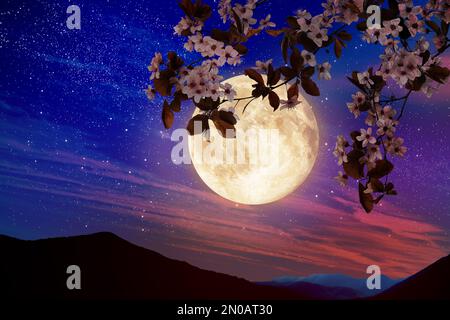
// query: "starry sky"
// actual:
[[82, 150]]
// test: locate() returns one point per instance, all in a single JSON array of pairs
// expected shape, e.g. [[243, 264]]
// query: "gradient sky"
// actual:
[[82, 150]]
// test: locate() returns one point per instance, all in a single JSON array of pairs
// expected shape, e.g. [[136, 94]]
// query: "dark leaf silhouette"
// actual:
[[292, 22], [296, 60], [220, 35], [308, 72], [163, 85], [167, 115], [417, 84], [274, 33], [306, 42], [353, 168], [365, 199], [273, 76], [356, 144], [241, 48], [287, 72], [378, 199], [206, 104], [274, 100], [338, 45], [438, 74], [175, 105], [254, 75], [390, 189], [310, 87], [227, 116], [377, 185], [225, 128], [187, 6], [293, 91], [175, 62], [344, 35], [382, 168], [202, 120]]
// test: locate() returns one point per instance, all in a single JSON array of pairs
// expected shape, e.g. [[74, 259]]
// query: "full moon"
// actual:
[[260, 183]]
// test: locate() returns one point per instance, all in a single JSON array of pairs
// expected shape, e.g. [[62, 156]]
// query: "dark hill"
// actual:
[[432, 283], [112, 268]]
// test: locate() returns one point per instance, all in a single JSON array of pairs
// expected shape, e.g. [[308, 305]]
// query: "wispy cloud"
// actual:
[[299, 235]]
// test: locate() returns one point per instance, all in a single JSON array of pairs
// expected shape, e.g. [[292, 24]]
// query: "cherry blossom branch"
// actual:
[[407, 60]]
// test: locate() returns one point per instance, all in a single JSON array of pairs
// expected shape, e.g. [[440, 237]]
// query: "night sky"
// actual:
[[82, 150]]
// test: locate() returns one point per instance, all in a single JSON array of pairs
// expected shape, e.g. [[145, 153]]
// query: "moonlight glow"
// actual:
[[263, 183]]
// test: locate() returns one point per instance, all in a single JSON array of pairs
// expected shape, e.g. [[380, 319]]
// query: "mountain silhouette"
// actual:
[[316, 291], [338, 285], [113, 268], [432, 283]]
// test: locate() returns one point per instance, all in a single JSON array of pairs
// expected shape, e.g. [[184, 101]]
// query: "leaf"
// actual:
[[163, 85], [274, 33], [365, 199], [382, 168], [308, 72], [416, 84], [353, 168], [227, 116], [296, 60], [274, 100], [293, 91], [390, 189], [438, 74], [220, 35], [287, 72], [362, 26], [260, 90], [187, 6], [175, 105], [206, 104], [404, 34], [306, 42], [393, 5], [338, 45], [292, 22], [310, 87], [425, 56], [241, 48], [201, 11], [167, 115], [254, 75], [377, 185], [387, 14], [175, 62], [344, 35], [225, 128], [378, 199], [197, 118], [273, 76], [378, 82]]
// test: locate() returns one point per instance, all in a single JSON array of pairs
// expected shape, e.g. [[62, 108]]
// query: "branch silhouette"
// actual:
[[409, 61]]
